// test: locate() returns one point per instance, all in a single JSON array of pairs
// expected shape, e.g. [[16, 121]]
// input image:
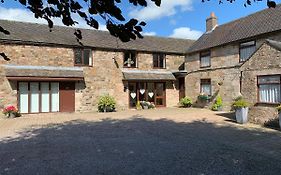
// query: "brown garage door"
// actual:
[[67, 96]]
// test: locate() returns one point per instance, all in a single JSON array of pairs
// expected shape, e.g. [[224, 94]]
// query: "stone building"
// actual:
[[52, 72], [261, 81], [228, 59]]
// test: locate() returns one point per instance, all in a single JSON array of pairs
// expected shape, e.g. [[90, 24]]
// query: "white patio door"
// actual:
[[45, 97], [55, 97], [23, 97], [35, 97]]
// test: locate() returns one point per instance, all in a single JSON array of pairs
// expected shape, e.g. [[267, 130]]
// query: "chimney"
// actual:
[[211, 22]]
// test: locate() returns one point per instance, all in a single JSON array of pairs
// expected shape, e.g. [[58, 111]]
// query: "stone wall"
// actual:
[[29, 55], [224, 82], [104, 77], [266, 61], [225, 68]]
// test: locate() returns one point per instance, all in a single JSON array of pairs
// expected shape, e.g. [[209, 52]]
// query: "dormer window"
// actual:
[[130, 60], [205, 59], [246, 50], [83, 57]]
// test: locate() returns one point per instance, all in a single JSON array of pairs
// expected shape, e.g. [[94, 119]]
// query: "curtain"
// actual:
[[205, 61], [206, 89], [246, 52], [269, 93]]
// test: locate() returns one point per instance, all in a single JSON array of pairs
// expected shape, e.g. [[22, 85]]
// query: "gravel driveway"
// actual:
[[162, 141]]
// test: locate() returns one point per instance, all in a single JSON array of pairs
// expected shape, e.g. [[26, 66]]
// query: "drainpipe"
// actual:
[[240, 87]]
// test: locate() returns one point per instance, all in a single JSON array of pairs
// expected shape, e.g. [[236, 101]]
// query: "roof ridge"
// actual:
[[259, 23], [93, 29], [247, 16]]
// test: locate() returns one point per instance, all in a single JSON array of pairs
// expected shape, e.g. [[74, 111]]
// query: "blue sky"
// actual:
[[175, 18]]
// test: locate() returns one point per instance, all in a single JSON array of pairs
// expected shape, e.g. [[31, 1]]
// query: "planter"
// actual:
[[241, 115], [145, 107], [220, 108], [279, 116], [10, 115], [108, 109]]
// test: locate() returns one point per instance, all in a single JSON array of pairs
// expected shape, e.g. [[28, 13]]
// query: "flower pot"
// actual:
[[145, 107], [220, 108], [241, 115], [10, 115], [279, 115]]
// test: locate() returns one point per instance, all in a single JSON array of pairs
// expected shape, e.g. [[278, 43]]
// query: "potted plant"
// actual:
[[203, 97], [150, 105], [11, 112], [241, 107], [144, 104], [186, 102], [217, 106], [106, 104], [138, 105], [279, 113]]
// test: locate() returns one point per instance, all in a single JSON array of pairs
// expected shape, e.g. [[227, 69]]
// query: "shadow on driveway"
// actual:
[[141, 146]]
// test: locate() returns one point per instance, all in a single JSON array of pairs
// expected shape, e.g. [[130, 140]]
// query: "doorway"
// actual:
[[154, 92], [181, 87], [67, 97]]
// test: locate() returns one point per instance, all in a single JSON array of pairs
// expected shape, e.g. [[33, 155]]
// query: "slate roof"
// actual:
[[39, 34], [43, 71], [262, 22], [148, 75]]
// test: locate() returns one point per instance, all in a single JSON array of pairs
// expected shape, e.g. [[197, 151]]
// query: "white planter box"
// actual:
[[242, 115]]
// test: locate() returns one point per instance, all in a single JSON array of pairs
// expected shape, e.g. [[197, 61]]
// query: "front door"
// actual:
[[160, 99], [181, 88], [147, 91], [67, 96]]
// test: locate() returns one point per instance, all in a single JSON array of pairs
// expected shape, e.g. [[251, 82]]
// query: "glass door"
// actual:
[[23, 97], [160, 94], [132, 95]]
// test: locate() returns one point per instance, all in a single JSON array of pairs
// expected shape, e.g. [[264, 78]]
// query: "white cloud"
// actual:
[[167, 8], [149, 33], [17, 14], [186, 33]]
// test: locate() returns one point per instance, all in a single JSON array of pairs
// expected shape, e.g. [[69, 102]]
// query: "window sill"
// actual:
[[159, 68], [266, 103], [77, 65], [205, 67], [129, 67]]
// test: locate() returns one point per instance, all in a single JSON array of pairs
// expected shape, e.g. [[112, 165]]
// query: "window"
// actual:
[[205, 86], [246, 50], [83, 57], [159, 60], [269, 89], [205, 59], [130, 60]]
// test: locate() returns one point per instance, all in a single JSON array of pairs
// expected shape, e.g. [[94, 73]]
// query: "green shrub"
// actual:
[[218, 104], [279, 108], [106, 103], [219, 100], [240, 103], [186, 102]]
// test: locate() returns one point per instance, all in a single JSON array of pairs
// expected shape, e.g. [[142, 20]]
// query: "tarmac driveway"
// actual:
[[161, 141]]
